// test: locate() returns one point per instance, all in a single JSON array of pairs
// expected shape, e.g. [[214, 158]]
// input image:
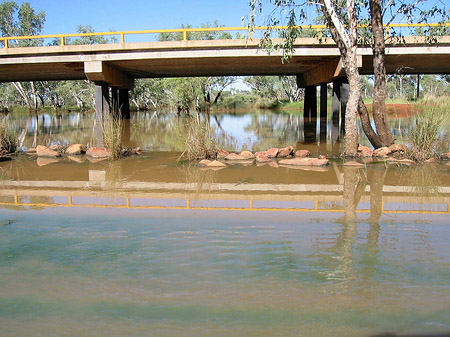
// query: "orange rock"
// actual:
[[305, 162], [247, 154], [234, 156], [216, 163], [75, 149], [221, 154], [363, 147], [43, 151], [272, 153], [398, 148], [98, 152], [204, 162], [284, 152], [302, 153], [365, 151], [381, 152], [262, 158]]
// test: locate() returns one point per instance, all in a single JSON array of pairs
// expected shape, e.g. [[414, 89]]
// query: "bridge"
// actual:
[[113, 67]]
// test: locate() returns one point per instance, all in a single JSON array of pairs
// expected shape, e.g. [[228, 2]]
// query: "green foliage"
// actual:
[[198, 138], [21, 20], [293, 14], [208, 35], [112, 134], [427, 132], [8, 141], [275, 88]]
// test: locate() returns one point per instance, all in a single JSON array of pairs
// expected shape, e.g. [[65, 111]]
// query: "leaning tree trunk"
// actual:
[[379, 68]]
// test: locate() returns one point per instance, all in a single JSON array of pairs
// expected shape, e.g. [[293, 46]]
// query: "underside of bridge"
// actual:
[[114, 67]]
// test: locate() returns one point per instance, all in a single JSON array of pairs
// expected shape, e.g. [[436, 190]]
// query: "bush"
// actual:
[[199, 140], [112, 135], [427, 133], [8, 142]]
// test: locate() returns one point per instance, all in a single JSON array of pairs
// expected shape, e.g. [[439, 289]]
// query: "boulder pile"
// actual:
[[75, 152], [274, 157]]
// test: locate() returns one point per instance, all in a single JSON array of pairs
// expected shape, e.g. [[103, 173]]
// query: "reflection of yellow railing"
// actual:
[[188, 206], [185, 31]]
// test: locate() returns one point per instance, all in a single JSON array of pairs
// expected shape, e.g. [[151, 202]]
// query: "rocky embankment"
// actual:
[[75, 152], [287, 157], [274, 157]]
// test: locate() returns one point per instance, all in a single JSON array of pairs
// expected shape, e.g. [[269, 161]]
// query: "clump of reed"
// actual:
[[427, 133], [199, 139], [112, 134], [8, 141]]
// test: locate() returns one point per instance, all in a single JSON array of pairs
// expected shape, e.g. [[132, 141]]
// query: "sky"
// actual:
[[63, 16]]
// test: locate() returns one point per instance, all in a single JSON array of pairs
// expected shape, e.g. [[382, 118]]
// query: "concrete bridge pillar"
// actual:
[[124, 103], [323, 111], [310, 114], [341, 90], [102, 108]]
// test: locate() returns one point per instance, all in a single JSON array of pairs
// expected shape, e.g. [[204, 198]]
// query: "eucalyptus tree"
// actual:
[[22, 20], [275, 88], [343, 19]]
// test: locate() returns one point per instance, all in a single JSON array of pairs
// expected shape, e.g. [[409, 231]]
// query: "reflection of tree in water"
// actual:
[[267, 128], [344, 265], [424, 178], [44, 129]]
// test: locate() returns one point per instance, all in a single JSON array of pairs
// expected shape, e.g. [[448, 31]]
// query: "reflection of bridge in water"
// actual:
[[99, 193]]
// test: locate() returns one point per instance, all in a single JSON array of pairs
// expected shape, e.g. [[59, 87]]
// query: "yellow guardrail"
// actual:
[[189, 206], [185, 31]]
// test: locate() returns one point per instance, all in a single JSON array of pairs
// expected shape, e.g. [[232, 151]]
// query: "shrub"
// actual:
[[427, 133], [199, 140], [8, 142], [112, 134]]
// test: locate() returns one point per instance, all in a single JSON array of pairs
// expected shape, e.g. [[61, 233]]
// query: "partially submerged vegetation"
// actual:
[[198, 138], [112, 135], [428, 135], [8, 141]]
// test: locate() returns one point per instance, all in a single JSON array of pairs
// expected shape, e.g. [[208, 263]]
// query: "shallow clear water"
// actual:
[[146, 246]]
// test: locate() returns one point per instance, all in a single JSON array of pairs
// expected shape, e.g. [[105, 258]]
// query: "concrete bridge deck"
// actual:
[[119, 64]]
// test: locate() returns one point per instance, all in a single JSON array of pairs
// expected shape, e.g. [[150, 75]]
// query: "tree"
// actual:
[[343, 19], [206, 35], [275, 88], [22, 21]]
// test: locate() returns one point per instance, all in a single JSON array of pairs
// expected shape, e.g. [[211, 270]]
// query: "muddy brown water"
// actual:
[[147, 246]]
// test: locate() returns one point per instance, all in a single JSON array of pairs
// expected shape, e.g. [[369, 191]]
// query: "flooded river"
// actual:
[[147, 246]]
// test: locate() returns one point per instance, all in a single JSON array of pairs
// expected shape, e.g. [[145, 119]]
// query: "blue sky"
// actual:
[[63, 16]]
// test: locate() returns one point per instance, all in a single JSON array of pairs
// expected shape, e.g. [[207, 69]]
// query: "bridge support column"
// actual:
[[310, 114], [124, 103], [345, 90], [341, 91], [102, 108], [323, 111], [115, 101]]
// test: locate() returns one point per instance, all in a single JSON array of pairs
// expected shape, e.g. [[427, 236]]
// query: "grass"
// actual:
[[8, 141], [427, 134], [112, 135], [199, 140]]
